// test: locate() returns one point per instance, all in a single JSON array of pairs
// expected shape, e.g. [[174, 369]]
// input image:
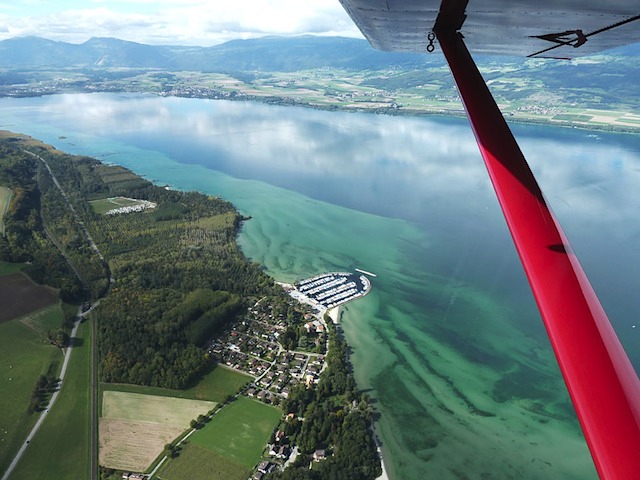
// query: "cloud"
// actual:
[[186, 23]]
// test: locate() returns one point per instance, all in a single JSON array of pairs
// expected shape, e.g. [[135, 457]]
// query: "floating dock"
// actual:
[[330, 290], [366, 273]]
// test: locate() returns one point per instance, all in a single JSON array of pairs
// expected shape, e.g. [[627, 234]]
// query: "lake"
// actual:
[[449, 344]]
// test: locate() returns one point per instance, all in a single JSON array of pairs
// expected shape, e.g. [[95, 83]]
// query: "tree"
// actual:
[[58, 337]]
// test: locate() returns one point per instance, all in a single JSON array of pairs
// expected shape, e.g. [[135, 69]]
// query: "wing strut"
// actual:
[[602, 383]]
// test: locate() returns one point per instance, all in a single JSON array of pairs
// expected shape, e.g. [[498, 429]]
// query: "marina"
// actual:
[[329, 290]]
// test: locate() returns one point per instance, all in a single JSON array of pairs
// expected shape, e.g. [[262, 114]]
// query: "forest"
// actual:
[[25, 239], [172, 276]]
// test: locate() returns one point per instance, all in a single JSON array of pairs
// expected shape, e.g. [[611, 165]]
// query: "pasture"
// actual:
[[134, 428], [20, 296], [215, 385], [5, 200], [25, 356], [49, 318], [66, 428], [198, 463], [239, 431], [105, 205], [7, 268], [220, 383]]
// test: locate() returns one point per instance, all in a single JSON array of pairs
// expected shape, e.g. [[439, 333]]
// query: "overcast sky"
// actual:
[[172, 22]]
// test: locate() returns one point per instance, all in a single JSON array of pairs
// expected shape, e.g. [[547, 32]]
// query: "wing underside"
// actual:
[[537, 28]]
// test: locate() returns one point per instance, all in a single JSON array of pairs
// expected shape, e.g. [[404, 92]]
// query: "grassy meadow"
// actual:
[[7, 268], [228, 446], [134, 428], [239, 431], [5, 199], [216, 385], [67, 425], [198, 463], [104, 205], [26, 355]]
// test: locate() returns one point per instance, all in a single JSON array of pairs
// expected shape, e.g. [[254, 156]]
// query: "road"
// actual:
[[94, 349], [54, 397], [78, 220]]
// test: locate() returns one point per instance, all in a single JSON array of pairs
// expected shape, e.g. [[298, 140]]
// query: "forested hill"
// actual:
[[178, 275], [263, 54], [267, 54]]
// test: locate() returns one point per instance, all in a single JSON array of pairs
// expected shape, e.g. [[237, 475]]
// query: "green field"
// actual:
[[152, 408], [230, 445], [25, 356], [7, 268], [49, 318], [198, 463], [239, 431], [104, 205], [572, 117], [61, 449], [5, 199], [215, 386], [134, 428]]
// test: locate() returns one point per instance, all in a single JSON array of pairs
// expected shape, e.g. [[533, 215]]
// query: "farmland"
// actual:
[[232, 443], [107, 205], [5, 199], [216, 385], [198, 463], [7, 268], [240, 431], [134, 428], [19, 296], [66, 426], [25, 356]]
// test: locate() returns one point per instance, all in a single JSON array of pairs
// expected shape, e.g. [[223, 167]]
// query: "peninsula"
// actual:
[[192, 344]]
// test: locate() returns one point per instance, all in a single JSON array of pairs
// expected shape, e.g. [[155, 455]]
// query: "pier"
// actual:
[[329, 290]]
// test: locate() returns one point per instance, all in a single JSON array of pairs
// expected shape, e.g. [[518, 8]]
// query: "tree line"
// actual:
[[336, 418]]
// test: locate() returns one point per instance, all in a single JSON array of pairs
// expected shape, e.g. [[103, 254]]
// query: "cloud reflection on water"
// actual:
[[425, 170]]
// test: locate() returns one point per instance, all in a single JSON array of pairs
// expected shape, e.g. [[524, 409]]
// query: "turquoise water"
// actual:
[[449, 342]]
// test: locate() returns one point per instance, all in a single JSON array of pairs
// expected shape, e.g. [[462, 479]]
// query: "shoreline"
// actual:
[[456, 111], [335, 314]]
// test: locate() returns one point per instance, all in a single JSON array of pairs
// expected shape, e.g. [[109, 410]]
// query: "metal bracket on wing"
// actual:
[[579, 38], [431, 37]]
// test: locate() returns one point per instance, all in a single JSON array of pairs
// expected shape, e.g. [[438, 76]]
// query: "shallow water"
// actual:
[[449, 343]]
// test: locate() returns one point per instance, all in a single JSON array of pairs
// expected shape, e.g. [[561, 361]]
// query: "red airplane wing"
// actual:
[[602, 383]]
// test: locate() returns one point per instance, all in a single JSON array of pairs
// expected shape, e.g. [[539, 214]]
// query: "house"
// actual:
[[283, 451], [264, 467], [318, 455]]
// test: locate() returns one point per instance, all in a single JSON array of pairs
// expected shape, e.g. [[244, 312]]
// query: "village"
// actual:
[[280, 353], [252, 346]]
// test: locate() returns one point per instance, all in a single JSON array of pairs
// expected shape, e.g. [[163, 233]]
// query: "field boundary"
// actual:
[[23, 296], [5, 200], [129, 421]]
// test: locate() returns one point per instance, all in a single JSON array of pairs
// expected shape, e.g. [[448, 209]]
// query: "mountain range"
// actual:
[[263, 54], [266, 54]]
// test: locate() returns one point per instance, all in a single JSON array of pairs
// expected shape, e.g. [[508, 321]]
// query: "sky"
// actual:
[[172, 22]]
